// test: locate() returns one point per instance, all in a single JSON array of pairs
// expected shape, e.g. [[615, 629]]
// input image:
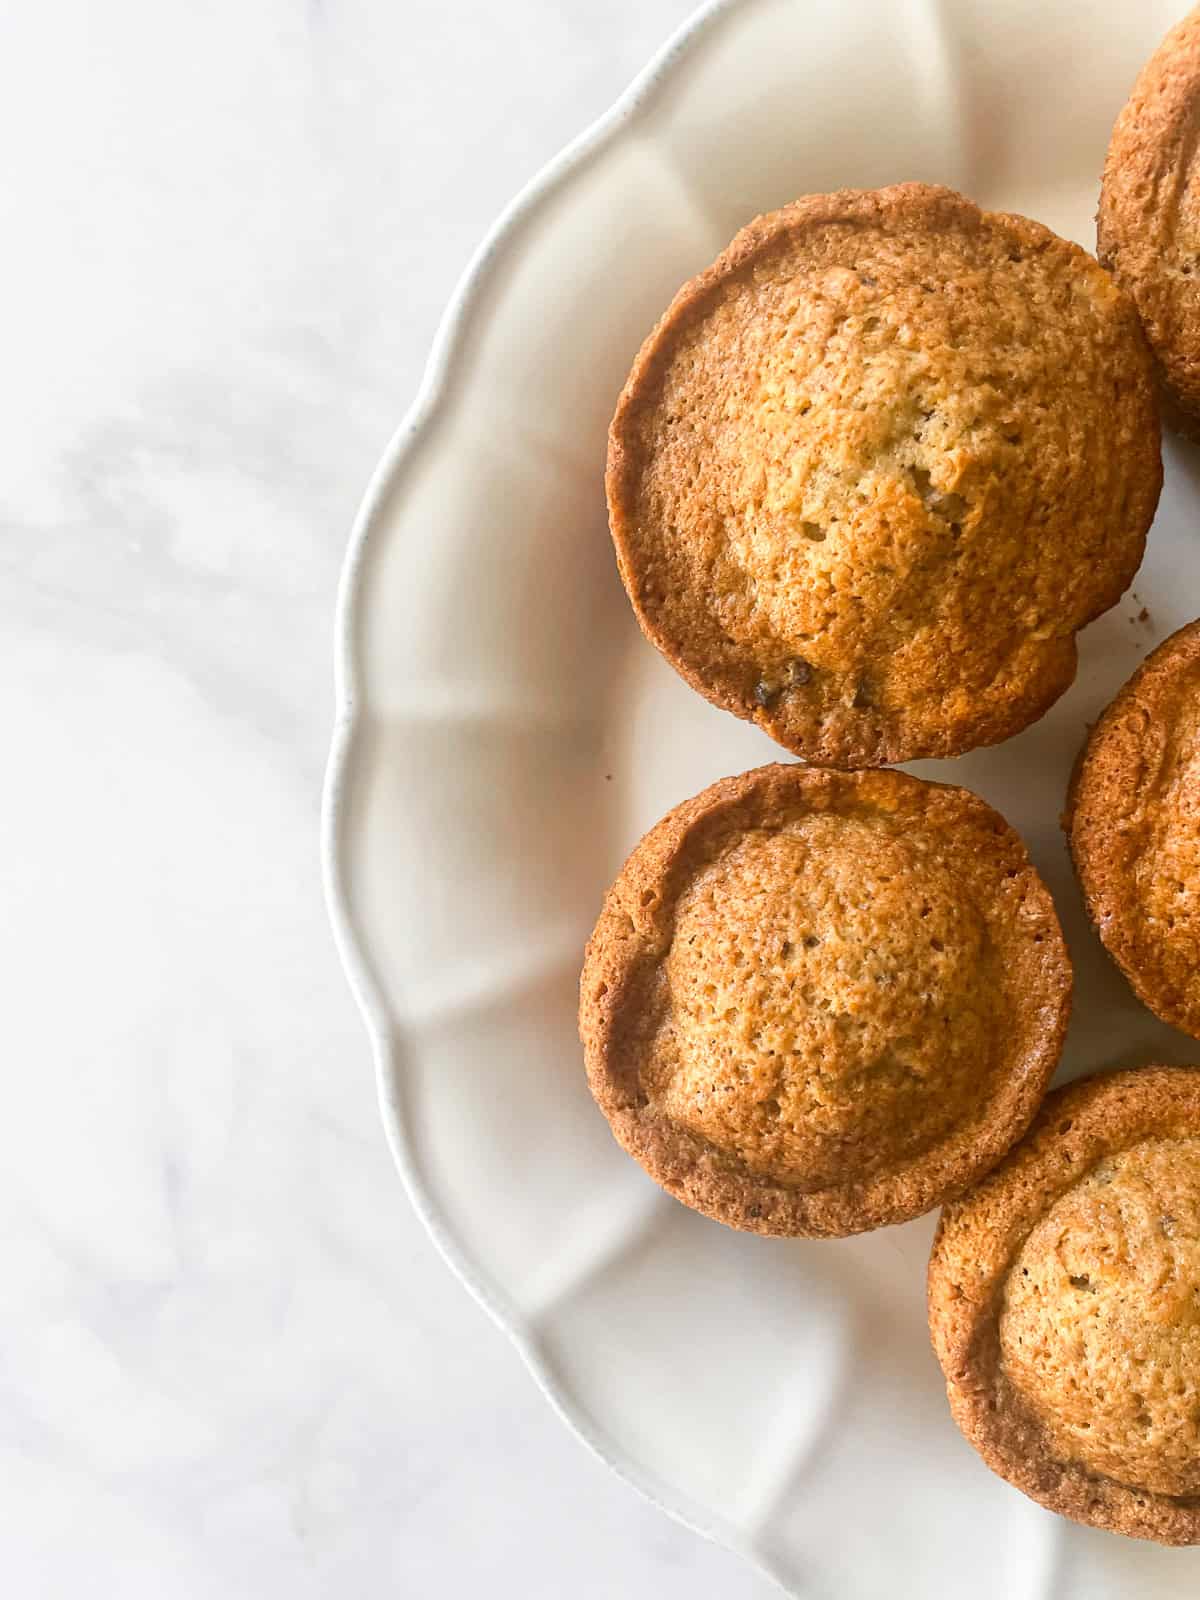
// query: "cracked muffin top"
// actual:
[[874, 469], [1133, 824], [816, 1002], [1148, 227], [1064, 1297]]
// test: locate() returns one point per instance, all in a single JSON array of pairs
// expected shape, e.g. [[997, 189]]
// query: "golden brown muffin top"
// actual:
[[1064, 1304], [1133, 823], [816, 1002], [1148, 230], [876, 466], [1100, 1318]]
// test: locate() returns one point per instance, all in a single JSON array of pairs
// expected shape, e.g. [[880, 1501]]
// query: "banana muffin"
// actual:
[[874, 469], [1148, 229], [1133, 825], [1064, 1304], [816, 1002]]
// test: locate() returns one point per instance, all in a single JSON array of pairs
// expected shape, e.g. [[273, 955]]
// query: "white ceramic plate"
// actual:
[[505, 736]]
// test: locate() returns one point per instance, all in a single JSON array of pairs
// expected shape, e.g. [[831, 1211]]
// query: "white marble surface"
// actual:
[[231, 1364]]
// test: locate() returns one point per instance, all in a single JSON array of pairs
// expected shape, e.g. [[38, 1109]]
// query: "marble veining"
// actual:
[[231, 1362]]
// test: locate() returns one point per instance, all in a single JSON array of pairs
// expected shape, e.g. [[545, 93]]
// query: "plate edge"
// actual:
[[348, 720]]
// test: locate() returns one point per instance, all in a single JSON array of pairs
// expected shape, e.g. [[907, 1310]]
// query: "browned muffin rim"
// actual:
[[1078, 1126], [1100, 848], [1154, 132], [674, 1156]]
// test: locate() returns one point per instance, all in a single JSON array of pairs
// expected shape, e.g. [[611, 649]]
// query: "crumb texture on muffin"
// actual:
[[1064, 1297], [875, 468], [1100, 1318], [1133, 823], [815, 1002], [781, 961], [1148, 230]]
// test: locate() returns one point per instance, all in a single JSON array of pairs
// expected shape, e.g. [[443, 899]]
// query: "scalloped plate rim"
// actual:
[[386, 1039]]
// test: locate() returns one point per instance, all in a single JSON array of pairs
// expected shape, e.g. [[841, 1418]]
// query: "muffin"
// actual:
[[1064, 1304], [816, 1002], [1148, 230], [874, 469], [1133, 825]]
